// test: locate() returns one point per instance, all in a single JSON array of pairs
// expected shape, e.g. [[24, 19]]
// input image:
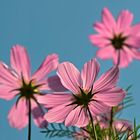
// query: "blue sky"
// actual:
[[62, 27]]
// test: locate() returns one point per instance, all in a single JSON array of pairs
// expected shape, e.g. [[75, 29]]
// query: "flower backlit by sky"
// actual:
[[88, 96], [17, 81], [117, 38]]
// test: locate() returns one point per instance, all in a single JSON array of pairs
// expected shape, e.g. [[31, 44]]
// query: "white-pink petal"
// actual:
[[83, 118], [7, 77], [55, 99], [18, 115], [110, 97], [107, 80], [69, 76], [58, 113], [97, 108], [49, 64], [73, 117], [7, 93], [89, 73], [20, 61]]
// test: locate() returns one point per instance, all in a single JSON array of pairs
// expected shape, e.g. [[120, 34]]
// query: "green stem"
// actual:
[[29, 119], [93, 126], [111, 122]]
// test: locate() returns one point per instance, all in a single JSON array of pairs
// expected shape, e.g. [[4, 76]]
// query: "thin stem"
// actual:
[[85, 130], [118, 59], [111, 121], [29, 119], [93, 126]]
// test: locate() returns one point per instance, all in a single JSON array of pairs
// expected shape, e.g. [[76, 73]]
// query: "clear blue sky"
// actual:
[[63, 27]]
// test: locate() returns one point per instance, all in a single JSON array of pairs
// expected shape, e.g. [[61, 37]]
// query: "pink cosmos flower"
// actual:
[[87, 96], [117, 39], [120, 125], [17, 81]]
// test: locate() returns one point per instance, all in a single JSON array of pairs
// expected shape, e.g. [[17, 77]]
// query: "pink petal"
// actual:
[[62, 111], [132, 53], [55, 84], [110, 97], [55, 99], [7, 77], [99, 40], [7, 93], [18, 115], [108, 20], [101, 29], [73, 117], [107, 80], [48, 65], [98, 108], [83, 118], [124, 20], [135, 29], [69, 76], [122, 125], [125, 58], [133, 41], [106, 52], [20, 61], [38, 115], [89, 73]]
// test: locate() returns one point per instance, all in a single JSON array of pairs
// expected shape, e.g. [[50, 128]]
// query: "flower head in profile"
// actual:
[[120, 125], [17, 81], [117, 39], [88, 96]]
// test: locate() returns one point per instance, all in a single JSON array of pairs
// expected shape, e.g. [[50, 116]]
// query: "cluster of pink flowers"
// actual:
[[72, 97]]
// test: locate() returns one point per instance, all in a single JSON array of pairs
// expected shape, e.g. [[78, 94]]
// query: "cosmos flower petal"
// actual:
[[18, 115], [7, 77], [48, 65], [83, 118], [107, 80], [122, 125], [108, 19], [89, 73], [103, 53], [55, 99], [20, 61], [96, 40], [54, 83], [133, 42], [38, 115], [73, 117], [111, 97], [135, 29], [125, 58], [62, 111], [69, 76], [133, 53], [98, 108], [124, 20], [7, 93]]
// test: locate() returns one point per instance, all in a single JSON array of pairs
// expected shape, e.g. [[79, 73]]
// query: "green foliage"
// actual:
[[59, 130]]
